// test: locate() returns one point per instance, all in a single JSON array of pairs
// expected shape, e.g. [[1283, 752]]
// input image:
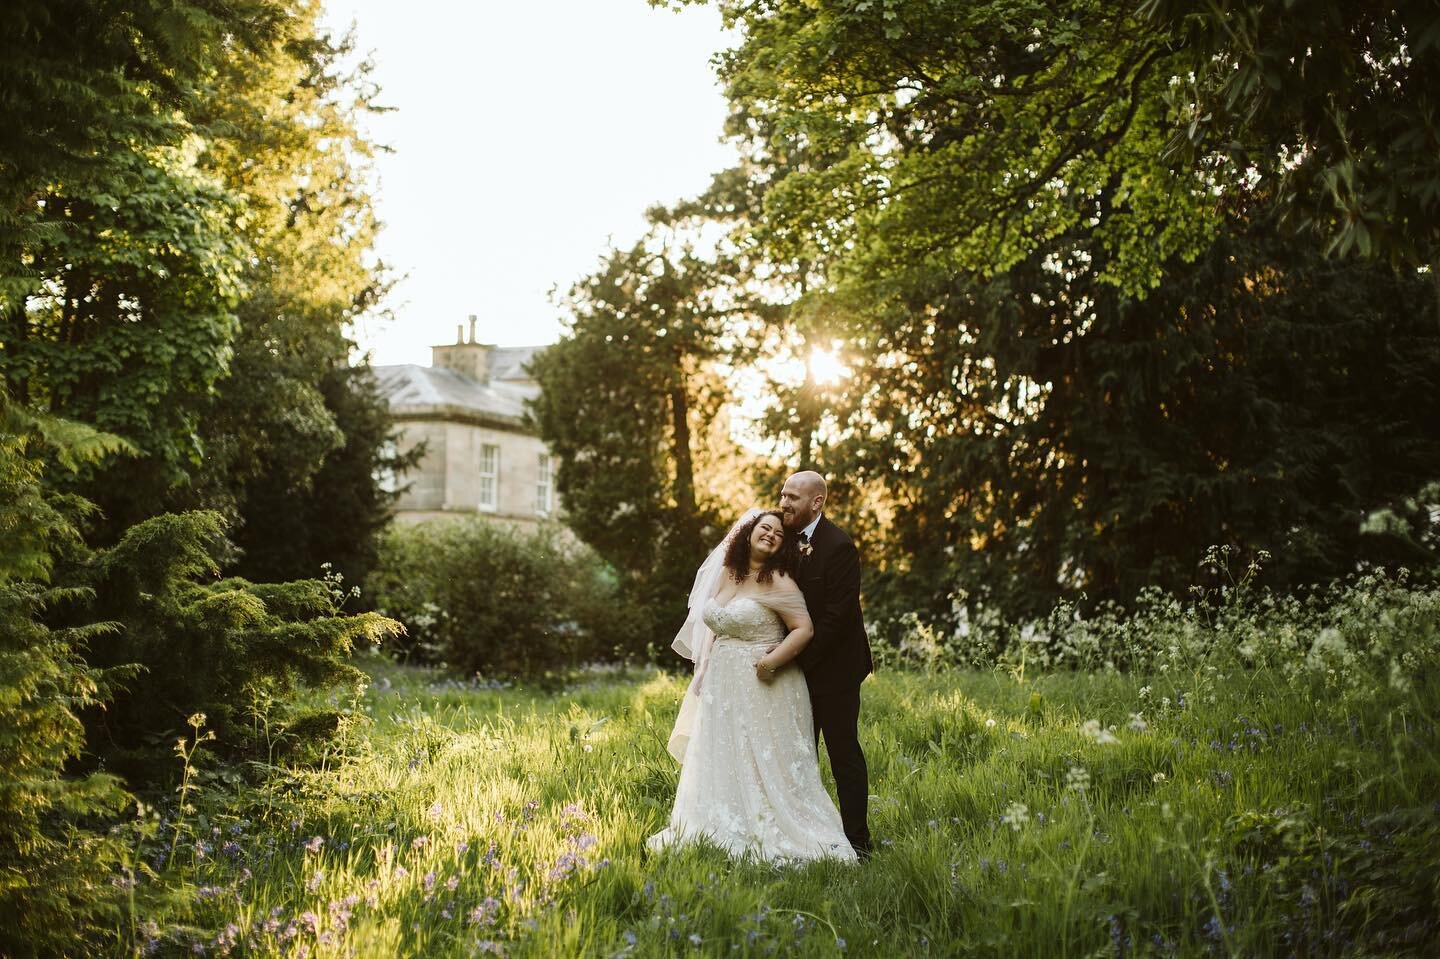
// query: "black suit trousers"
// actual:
[[837, 718]]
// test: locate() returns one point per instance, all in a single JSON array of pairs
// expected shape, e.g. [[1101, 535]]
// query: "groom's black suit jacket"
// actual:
[[838, 655]]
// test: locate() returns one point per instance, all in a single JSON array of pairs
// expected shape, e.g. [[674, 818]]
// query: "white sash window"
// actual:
[[489, 477], [544, 487]]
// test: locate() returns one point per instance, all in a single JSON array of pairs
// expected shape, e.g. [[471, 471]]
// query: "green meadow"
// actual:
[[1207, 805]]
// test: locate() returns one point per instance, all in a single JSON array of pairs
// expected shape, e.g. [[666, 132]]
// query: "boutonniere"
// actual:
[[806, 549]]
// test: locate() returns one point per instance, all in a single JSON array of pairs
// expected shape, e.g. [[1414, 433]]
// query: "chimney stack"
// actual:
[[468, 358]]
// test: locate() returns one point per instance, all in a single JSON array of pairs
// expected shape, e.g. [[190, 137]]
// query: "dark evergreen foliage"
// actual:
[[205, 644], [626, 401], [55, 874], [336, 518]]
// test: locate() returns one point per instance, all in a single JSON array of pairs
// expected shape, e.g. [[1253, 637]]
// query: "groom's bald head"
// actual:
[[801, 498]]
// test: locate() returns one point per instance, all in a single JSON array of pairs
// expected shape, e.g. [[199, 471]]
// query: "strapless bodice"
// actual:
[[744, 620]]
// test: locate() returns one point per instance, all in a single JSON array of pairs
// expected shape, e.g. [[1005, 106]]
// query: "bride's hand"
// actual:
[[764, 671]]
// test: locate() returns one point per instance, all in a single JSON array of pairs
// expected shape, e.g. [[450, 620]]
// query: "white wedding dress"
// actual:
[[750, 776]]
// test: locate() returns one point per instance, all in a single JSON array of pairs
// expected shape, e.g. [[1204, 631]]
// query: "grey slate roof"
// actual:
[[417, 390], [507, 362]]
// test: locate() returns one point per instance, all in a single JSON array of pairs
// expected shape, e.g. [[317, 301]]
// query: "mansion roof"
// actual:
[[434, 392]]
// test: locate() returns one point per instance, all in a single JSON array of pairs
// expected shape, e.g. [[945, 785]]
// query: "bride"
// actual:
[[750, 776]]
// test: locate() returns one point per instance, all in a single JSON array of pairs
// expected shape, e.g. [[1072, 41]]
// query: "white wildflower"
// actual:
[[1328, 644], [1093, 731], [1398, 680], [1137, 723], [1016, 816]]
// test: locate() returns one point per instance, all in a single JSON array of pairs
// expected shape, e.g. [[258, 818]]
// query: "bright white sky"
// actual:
[[529, 136]]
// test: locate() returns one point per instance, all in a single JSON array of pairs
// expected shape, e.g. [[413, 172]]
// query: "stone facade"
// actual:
[[482, 456]]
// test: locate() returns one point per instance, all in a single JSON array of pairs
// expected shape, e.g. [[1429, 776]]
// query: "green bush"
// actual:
[[481, 598]]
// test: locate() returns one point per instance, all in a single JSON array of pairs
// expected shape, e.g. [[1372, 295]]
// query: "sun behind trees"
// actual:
[[1088, 338]]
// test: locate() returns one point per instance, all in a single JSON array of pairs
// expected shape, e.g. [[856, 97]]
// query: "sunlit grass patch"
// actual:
[[1210, 810]]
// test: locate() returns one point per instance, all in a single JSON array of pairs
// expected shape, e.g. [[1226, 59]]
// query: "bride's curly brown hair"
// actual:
[[785, 560]]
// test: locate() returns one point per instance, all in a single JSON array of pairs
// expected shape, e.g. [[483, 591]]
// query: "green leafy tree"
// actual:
[[1080, 331], [626, 394], [184, 276], [289, 420], [1335, 104], [1040, 439], [967, 133], [119, 268], [131, 319], [89, 86]]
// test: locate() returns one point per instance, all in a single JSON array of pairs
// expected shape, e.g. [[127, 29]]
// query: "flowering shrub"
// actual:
[[1370, 632]]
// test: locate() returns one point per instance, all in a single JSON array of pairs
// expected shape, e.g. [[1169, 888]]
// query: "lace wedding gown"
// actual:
[[750, 777]]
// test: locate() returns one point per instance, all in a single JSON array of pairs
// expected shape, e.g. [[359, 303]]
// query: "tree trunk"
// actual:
[[684, 486], [1435, 282], [808, 414], [805, 406], [16, 333]]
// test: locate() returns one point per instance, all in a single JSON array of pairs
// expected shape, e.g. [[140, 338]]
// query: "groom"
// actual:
[[837, 659]]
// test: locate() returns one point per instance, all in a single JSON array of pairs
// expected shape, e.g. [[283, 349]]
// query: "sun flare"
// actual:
[[827, 367]]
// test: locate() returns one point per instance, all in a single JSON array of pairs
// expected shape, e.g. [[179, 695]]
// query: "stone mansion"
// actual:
[[482, 456]]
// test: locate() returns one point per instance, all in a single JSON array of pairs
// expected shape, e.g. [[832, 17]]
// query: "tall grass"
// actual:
[[1264, 783]]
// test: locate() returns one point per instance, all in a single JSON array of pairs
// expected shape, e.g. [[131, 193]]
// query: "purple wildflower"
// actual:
[[485, 913]]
